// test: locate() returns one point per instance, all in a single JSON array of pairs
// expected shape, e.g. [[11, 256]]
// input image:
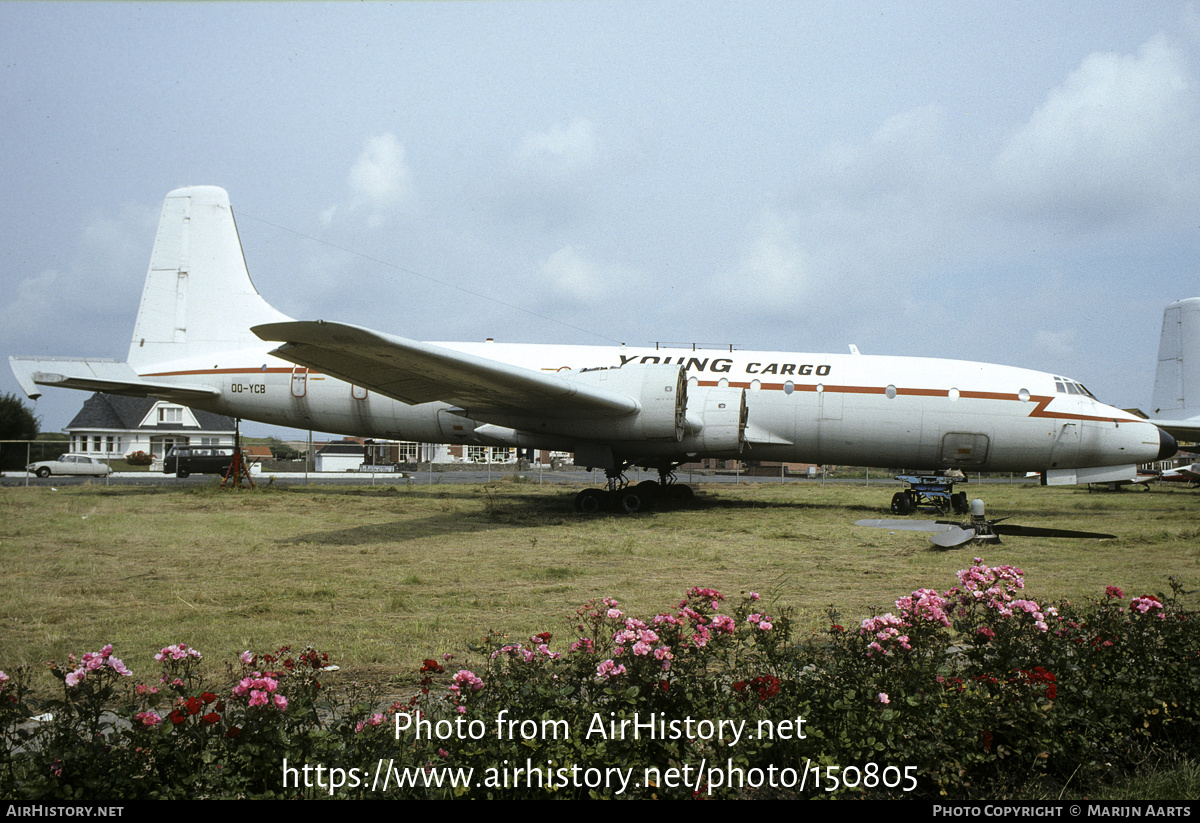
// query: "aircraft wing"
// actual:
[[414, 372], [110, 376]]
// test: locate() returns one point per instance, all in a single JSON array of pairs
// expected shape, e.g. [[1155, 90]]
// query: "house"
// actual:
[[118, 426]]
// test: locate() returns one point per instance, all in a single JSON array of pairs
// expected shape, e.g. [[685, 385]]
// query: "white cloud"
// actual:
[[1059, 344], [87, 305], [571, 276], [890, 200], [904, 154], [1118, 135], [560, 153], [380, 182], [379, 177], [120, 243], [36, 304], [863, 214], [775, 271]]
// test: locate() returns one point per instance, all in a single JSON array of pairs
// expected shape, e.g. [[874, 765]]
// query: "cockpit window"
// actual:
[[1065, 386]]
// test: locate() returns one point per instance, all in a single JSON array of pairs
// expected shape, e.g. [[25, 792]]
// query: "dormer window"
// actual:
[[170, 414]]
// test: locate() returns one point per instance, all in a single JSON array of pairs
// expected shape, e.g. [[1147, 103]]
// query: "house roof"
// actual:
[[341, 448], [110, 411]]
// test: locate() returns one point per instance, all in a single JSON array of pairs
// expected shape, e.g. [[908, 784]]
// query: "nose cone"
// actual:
[[1166, 445]]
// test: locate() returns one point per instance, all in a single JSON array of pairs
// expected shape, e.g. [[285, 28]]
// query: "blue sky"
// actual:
[[978, 181]]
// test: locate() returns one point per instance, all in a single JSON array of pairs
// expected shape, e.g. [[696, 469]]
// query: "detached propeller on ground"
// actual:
[[948, 534]]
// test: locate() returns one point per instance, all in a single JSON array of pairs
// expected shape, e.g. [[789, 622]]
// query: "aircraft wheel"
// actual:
[[650, 488], [44, 471], [902, 503], [633, 501], [589, 501], [959, 503]]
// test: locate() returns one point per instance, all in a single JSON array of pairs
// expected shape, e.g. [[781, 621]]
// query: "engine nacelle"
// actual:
[[716, 420], [661, 392]]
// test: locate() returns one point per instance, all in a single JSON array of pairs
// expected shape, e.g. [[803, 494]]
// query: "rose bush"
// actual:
[[978, 691]]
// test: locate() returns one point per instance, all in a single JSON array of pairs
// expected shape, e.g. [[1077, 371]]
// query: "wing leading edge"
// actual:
[[414, 372]]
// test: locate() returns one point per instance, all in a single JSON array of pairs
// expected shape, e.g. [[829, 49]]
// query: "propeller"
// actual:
[[948, 534]]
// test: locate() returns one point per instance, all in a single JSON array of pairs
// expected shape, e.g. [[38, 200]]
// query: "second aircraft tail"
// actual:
[[1176, 403]]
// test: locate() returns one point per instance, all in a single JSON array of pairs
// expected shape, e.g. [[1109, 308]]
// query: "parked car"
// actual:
[[184, 460], [70, 464]]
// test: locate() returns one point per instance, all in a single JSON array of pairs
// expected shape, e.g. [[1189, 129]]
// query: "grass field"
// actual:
[[383, 577]]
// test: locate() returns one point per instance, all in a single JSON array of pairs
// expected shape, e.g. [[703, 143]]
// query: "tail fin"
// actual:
[[198, 298], [1177, 380]]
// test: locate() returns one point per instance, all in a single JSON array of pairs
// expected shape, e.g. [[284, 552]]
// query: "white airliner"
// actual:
[[205, 337]]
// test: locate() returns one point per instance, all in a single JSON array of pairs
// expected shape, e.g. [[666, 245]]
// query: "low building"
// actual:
[[346, 456]]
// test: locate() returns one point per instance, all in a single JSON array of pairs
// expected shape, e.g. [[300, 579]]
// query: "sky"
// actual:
[[1007, 183]]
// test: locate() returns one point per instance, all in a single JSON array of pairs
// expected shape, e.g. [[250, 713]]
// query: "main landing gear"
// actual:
[[620, 496]]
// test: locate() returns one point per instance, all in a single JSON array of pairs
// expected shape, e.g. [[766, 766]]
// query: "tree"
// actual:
[[282, 451], [16, 419], [16, 423]]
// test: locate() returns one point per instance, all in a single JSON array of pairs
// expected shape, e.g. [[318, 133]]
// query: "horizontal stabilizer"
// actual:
[[414, 372], [103, 375]]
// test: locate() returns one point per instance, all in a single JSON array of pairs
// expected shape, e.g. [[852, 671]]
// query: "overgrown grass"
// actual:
[[384, 577]]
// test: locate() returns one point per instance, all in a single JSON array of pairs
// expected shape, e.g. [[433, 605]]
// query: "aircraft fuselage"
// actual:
[[918, 413]]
